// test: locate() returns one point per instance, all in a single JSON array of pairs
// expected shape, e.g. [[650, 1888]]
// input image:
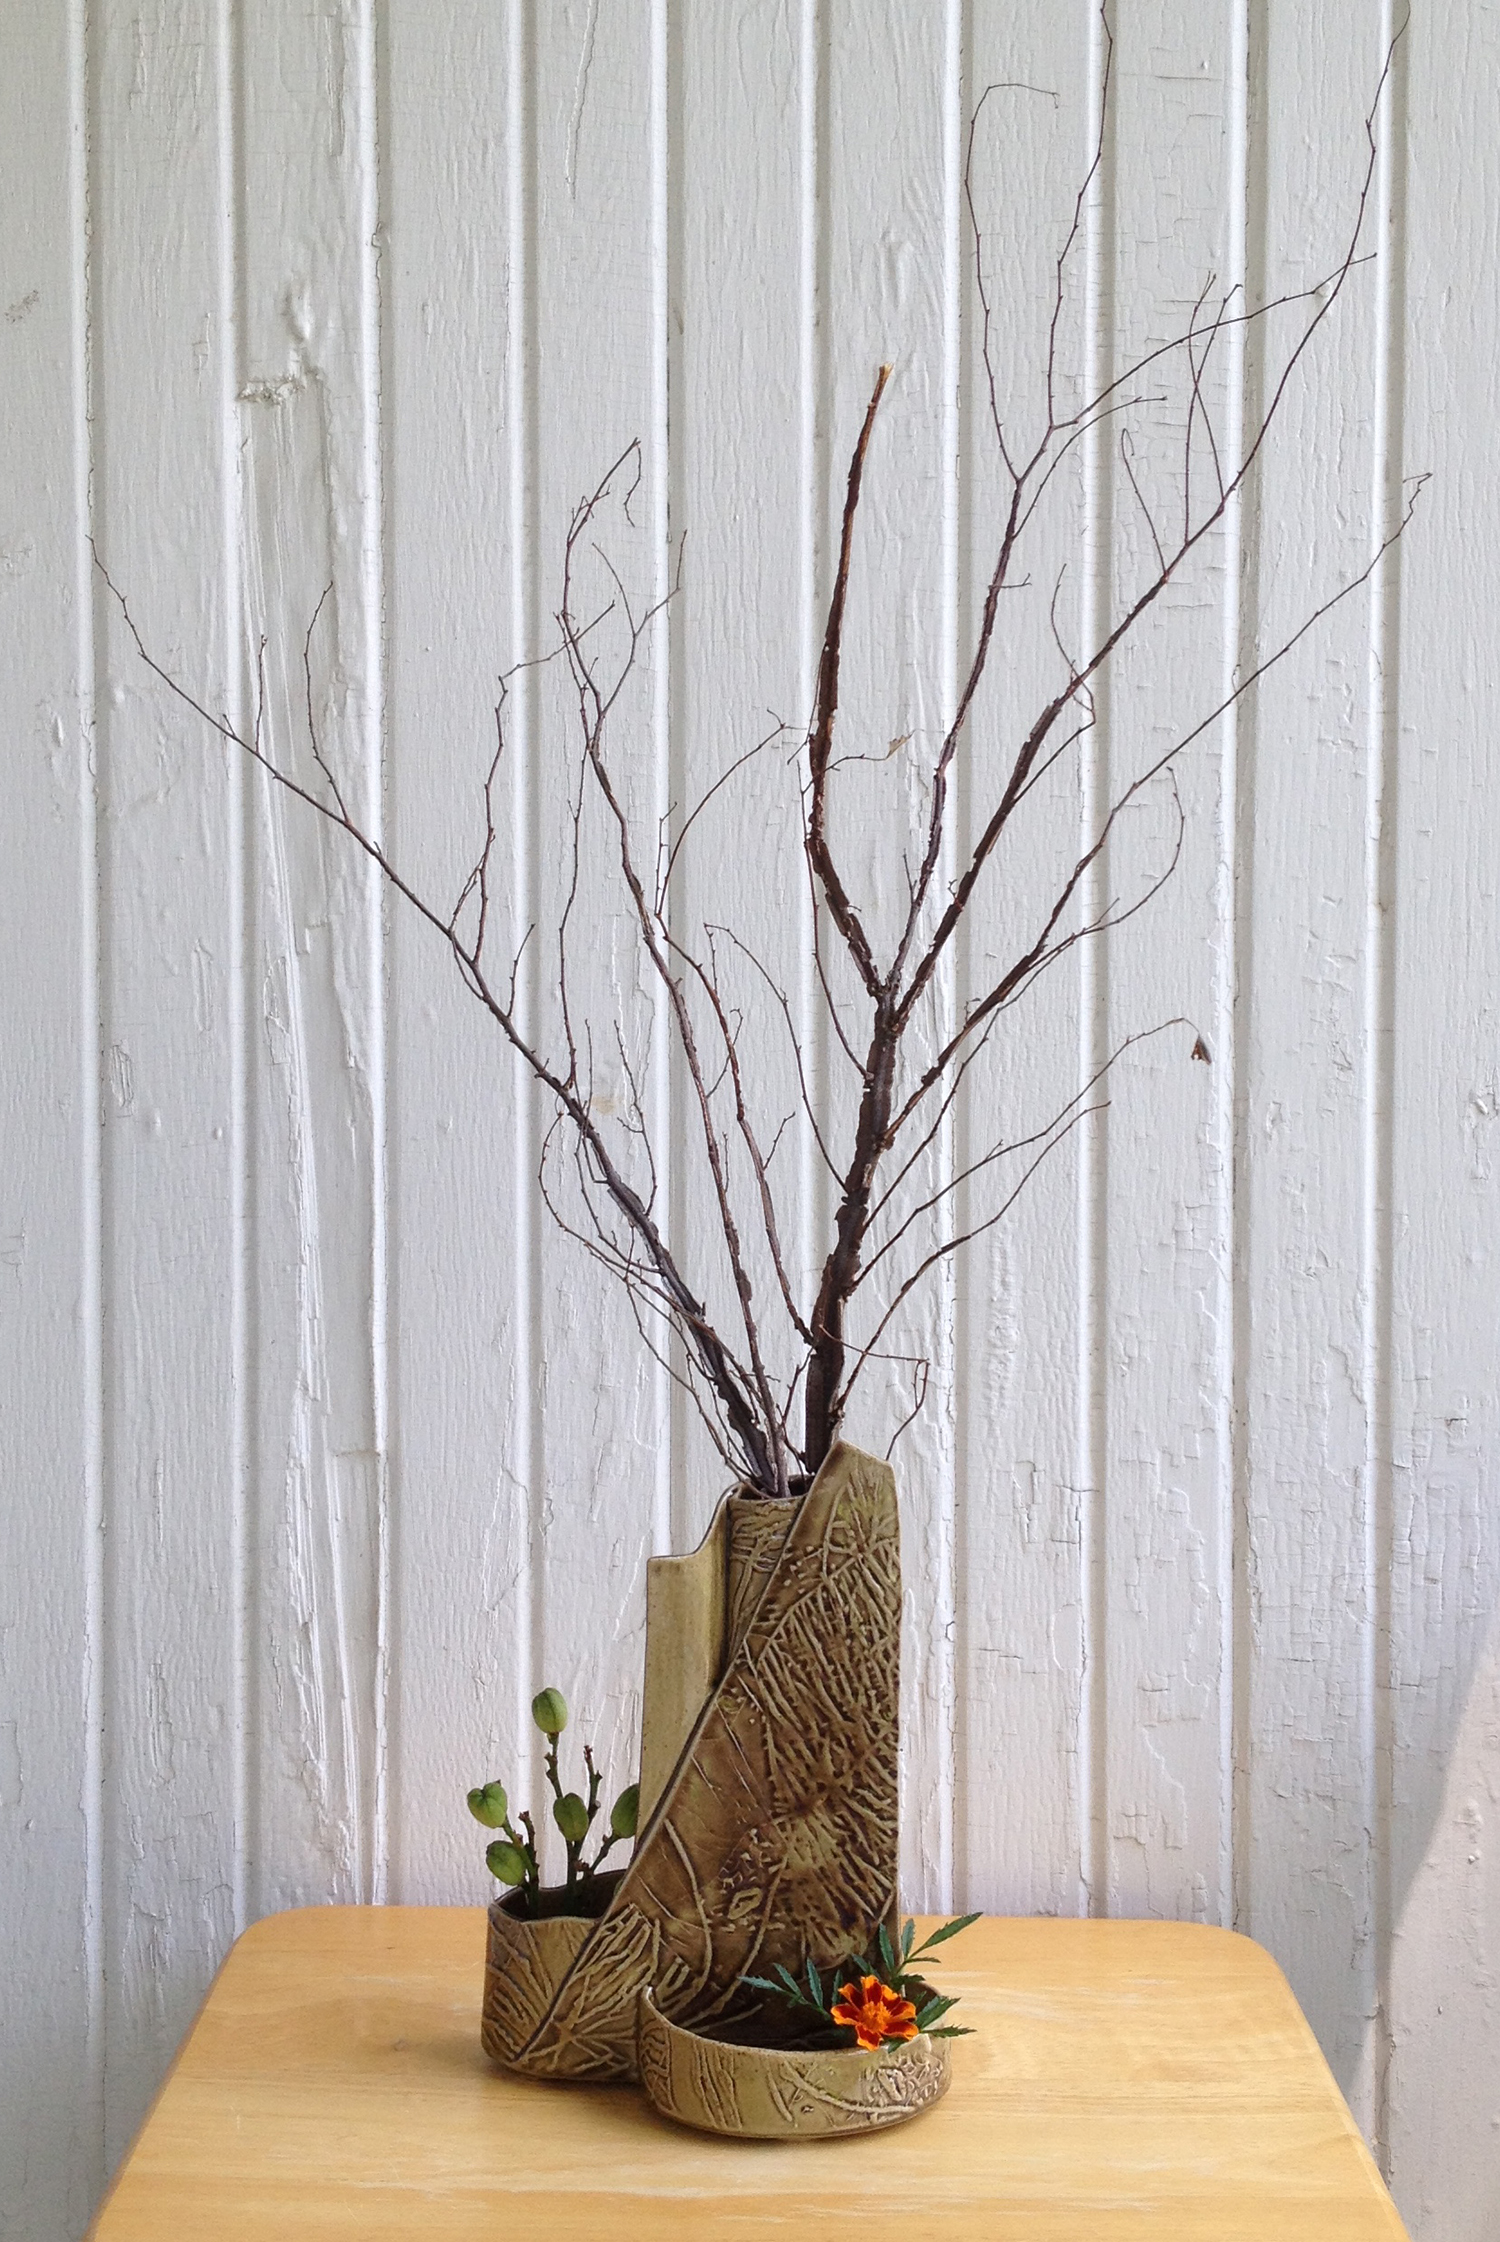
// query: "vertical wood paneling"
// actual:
[[1307, 1892], [1202, 1585], [1444, 899], [1238, 745], [667, 759], [887, 211], [1382, 737], [168, 1647], [238, 780], [1022, 1794], [743, 393], [1167, 1810], [461, 1408], [599, 1410], [525, 1460], [51, 2145], [817, 1176], [1091, 1242], [1164, 1421], [308, 384]]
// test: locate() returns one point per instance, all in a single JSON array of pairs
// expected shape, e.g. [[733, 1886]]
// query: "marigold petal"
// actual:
[[875, 2013]]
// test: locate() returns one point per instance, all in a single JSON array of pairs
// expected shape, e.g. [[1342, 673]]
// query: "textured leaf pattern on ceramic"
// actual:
[[524, 1965], [757, 1532], [776, 1839], [767, 2094]]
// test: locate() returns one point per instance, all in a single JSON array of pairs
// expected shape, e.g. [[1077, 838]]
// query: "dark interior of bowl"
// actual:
[[787, 2030], [588, 1898]]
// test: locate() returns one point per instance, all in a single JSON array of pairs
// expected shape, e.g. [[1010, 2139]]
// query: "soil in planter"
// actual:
[[588, 1898], [788, 2031]]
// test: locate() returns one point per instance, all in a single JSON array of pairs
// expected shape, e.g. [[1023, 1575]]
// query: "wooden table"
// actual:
[[1126, 2080]]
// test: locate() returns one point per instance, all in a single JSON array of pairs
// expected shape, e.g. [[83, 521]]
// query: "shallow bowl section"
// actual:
[[773, 2094]]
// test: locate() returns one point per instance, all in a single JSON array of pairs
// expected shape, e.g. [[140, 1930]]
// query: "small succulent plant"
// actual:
[[512, 1857]]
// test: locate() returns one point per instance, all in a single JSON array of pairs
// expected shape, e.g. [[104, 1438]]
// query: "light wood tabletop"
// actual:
[[1125, 2080]]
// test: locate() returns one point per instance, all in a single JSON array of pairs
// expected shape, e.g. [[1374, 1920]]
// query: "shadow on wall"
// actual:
[[1441, 2116]]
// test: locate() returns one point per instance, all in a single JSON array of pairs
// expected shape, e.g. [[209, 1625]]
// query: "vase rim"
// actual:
[[595, 1891]]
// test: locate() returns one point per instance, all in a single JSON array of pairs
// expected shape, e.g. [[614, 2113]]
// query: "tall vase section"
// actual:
[[768, 1771], [697, 1610]]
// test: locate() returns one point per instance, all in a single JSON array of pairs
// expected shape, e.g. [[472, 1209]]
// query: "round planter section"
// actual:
[[774, 2094], [528, 1957]]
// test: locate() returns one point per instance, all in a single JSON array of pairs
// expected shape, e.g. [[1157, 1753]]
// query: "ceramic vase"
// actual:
[[768, 1785]]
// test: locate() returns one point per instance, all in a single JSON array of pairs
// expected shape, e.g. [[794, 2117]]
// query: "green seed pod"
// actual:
[[506, 1861], [625, 1812], [572, 1817], [488, 1805], [549, 1712]]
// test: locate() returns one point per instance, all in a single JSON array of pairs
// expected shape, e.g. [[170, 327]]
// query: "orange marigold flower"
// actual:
[[875, 2013]]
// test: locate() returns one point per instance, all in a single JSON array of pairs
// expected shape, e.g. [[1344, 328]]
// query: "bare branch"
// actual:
[[1129, 466], [312, 722], [1003, 1149], [820, 734], [779, 997], [714, 1358], [594, 707], [665, 882], [923, 1370], [710, 987], [952, 1245]]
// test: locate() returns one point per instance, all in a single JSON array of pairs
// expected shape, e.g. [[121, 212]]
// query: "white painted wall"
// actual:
[[319, 1449]]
